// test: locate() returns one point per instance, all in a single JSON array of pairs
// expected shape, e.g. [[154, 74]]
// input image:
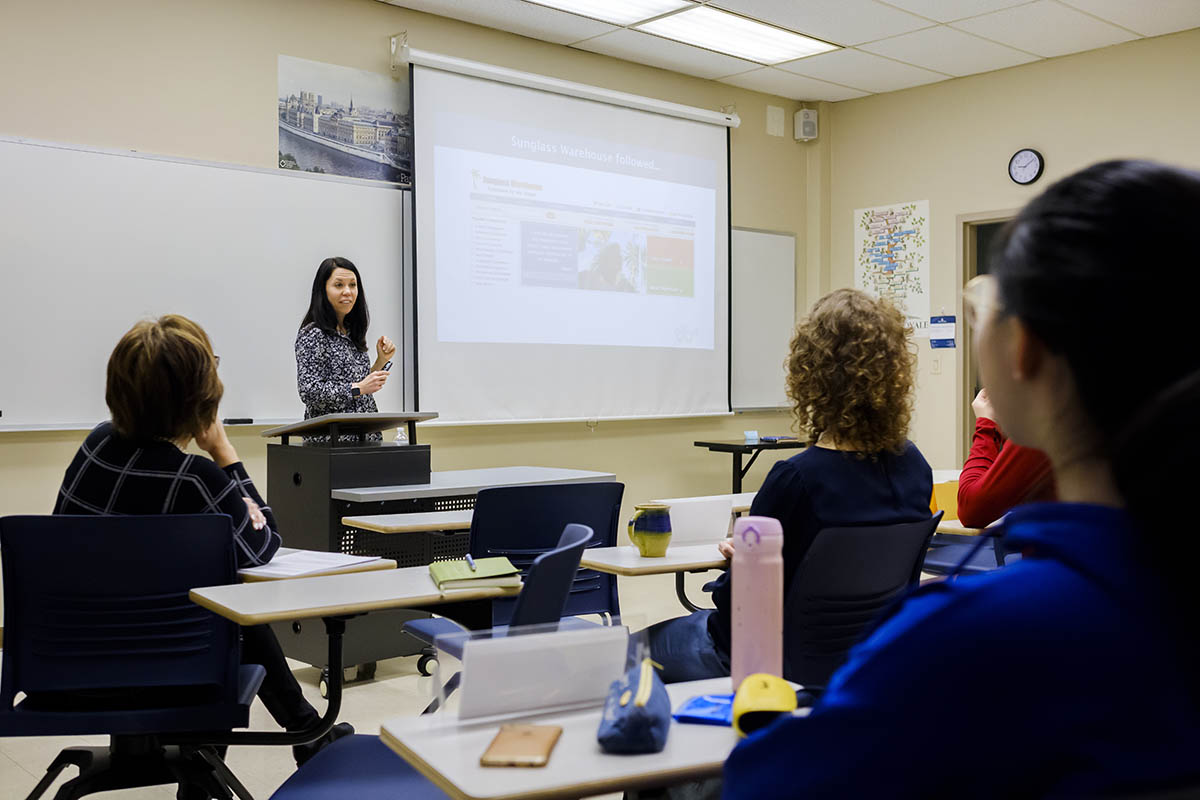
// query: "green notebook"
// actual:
[[496, 571]]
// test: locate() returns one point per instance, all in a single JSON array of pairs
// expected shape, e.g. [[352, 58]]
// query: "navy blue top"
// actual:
[[1055, 676], [821, 488]]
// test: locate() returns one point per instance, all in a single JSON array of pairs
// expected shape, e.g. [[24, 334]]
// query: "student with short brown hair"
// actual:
[[163, 392]]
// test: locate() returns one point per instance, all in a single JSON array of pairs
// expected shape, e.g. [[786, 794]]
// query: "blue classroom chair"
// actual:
[[961, 554], [359, 767], [101, 637], [542, 600]]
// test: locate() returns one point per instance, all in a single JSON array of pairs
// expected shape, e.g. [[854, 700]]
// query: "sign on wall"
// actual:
[[891, 258]]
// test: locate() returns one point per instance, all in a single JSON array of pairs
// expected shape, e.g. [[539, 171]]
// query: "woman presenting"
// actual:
[[334, 373]]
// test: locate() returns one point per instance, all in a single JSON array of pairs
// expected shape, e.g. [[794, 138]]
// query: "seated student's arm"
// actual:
[[998, 476], [905, 696], [225, 487]]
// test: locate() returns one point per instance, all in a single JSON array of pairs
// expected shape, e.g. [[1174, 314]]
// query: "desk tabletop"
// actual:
[[447, 753], [954, 526], [625, 560], [742, 446], [332, 595], [412, 523], [466, 482]]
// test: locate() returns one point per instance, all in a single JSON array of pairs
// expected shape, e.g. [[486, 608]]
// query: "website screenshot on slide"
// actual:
[[554, 240]]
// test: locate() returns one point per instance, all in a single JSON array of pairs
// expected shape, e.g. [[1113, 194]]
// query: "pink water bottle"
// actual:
[[757, 613]]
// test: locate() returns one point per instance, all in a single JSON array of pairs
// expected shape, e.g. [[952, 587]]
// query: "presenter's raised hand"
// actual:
[[373, 382], [214, 441], [385, 349]]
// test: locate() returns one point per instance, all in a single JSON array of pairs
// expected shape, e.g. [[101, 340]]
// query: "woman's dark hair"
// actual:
[[1098, 255], [321, 314]]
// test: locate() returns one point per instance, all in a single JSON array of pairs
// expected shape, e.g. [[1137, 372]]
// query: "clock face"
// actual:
[[1026, 166]]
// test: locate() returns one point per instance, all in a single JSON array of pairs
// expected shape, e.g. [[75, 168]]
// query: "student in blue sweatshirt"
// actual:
[[1073, 671]]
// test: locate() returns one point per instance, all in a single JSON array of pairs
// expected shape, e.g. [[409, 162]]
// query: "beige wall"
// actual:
[[949, 143], [198, 80]]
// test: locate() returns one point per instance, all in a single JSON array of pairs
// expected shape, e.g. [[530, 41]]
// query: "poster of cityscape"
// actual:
[[343, 121]]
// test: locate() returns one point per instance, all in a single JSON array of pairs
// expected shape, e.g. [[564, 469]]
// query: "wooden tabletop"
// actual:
[[412, 523], [447, 752], [625, 560], [332, 595], [954, 526], [468, 482]]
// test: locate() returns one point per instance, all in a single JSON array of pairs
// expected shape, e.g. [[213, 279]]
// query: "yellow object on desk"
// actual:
[[495, 571]]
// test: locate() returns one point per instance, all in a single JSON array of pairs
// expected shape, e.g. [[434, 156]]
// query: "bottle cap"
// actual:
[[752, 531]]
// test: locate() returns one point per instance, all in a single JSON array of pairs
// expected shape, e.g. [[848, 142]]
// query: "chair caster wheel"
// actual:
[[423, 664], [323, 683], [366, 671]]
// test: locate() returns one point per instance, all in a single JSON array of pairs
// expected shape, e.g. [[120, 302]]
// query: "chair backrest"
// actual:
[[522, 522], [97, 602], [543, 598], [847, 577]]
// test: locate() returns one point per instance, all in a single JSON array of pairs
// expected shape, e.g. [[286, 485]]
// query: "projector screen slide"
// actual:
[[572, 256]]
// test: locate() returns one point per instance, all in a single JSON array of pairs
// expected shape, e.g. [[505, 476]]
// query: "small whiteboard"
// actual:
[[763, 296]]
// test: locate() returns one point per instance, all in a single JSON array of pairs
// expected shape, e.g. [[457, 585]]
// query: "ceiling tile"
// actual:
[[796, 87], [861, 70], [950, 51], [1147, 18], [1046, 28], [843, 22], [950, 10], [665, 53], [514, 16]]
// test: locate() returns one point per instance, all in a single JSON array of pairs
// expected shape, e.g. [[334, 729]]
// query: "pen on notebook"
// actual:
[[470, 562]]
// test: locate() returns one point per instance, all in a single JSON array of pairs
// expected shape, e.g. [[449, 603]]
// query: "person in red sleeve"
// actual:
[[999, 475]]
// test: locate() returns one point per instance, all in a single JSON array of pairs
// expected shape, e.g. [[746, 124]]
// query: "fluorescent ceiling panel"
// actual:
[[723, 32], [621, 12], [643, 48], [846, 22], [1046, 28], [1147, 18], [950, 51], [797, 87], [861, 70]]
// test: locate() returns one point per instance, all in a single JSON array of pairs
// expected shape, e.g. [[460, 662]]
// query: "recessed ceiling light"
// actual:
[[739, 36], [620, 12]]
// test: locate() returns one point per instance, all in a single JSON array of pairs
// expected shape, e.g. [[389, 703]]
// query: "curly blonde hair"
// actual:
[[850, 372]]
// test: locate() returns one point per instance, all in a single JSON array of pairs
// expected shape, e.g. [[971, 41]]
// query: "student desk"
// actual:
[[625, 560], [420, 522], [447, 752], [740, 448]]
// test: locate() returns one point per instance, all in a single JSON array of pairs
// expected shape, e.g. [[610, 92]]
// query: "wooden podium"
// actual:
[[300, 477]]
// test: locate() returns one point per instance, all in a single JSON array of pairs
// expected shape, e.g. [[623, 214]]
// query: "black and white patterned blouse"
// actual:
[[111, 475], [326, 365]]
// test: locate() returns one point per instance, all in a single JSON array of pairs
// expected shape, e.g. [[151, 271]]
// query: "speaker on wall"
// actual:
[[805, 124]]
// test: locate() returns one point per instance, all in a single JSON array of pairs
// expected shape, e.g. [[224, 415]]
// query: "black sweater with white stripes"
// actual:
[[113, 475]]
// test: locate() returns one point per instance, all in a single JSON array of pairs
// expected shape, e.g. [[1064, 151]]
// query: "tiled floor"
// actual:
[[397, 690]]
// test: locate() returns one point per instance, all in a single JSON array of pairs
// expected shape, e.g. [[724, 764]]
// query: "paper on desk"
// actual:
[[294, 563]]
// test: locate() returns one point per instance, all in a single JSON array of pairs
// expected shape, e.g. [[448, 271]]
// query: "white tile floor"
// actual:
[[397, 690]]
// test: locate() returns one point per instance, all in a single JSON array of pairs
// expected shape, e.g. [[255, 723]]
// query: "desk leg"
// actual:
[[335, 627], [681, 593], [737, 473]]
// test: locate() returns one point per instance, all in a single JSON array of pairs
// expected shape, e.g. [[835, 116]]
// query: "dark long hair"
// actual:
[[1109, 246], [321, 314]]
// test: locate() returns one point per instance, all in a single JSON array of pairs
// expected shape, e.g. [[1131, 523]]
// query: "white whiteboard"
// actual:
[[763, 300], [93, 241]]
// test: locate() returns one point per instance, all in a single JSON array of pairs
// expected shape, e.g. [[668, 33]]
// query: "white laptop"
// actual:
[[699, 520]]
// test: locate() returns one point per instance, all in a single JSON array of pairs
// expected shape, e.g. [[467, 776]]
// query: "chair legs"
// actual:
[[447, 690], [133, 761]]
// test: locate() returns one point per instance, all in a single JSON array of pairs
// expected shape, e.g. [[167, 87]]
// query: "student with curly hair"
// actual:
[[850, 380]]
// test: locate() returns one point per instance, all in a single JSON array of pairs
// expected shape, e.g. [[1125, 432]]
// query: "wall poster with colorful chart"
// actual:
[[891, 258]]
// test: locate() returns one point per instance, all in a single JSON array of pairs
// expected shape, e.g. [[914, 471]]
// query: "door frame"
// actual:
[[965, 226]]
